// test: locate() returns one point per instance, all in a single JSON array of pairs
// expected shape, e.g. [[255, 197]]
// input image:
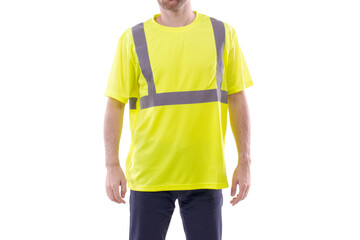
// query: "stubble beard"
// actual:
[[171, 4]]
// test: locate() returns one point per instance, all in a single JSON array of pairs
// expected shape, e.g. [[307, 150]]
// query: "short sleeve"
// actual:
[[237, 73], [122, 77]]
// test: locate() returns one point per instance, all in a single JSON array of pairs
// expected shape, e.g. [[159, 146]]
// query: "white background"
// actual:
[[303, 57]]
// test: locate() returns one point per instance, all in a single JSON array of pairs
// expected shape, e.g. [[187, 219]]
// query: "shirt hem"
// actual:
[[178, 187]]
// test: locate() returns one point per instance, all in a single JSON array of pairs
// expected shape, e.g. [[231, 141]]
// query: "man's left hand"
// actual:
[[241, 177]]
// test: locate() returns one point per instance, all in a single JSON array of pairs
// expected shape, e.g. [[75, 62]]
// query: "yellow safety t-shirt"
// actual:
[[176, 80]]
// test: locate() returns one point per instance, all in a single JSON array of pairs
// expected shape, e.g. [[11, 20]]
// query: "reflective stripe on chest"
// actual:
[[184, 97]]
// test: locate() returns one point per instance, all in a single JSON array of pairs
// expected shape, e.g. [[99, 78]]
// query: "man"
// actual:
[[180, 71]]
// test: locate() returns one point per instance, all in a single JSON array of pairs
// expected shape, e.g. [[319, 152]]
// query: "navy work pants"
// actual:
[[200, 210]]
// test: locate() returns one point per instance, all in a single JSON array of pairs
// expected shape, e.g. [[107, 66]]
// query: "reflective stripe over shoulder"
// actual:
[[185, 97]]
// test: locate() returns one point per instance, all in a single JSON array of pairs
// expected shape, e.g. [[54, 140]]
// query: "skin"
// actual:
[[177, 13], [240, 125], [115, 176]]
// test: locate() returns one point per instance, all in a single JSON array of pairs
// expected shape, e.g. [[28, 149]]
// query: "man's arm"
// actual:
[[240, 125], [112, 132]]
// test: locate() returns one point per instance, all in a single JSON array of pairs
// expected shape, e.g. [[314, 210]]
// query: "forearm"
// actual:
[[240, 125], [112, 131]]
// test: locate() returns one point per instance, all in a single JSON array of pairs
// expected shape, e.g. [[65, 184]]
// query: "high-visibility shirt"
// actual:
[[177, 81]]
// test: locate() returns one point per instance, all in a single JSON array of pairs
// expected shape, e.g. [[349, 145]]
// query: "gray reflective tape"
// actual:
[[143, 56], [185, 97], [219, 34], [132, 103]]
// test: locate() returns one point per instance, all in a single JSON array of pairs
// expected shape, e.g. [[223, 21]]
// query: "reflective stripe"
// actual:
[[184, 97], [132, 102], [143, 56], [219, 33]]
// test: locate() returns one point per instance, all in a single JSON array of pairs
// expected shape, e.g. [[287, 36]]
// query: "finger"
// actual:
[[239, 195], [233, 187], [247, 190], [234, 198], [112, 196], [123, 188], [242, 192], [115, 191], [108, 190], [110, 193]]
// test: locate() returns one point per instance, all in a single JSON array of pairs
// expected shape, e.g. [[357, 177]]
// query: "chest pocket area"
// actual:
[[184, 64]]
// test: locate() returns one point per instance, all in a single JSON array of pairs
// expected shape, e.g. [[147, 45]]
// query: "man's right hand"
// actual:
[[115, 177]]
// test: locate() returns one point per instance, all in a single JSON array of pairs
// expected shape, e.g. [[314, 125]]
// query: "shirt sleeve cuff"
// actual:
[[239, 88], [117, 97]]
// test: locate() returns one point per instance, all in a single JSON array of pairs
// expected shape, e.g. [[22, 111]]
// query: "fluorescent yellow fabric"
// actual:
[[177, 147]]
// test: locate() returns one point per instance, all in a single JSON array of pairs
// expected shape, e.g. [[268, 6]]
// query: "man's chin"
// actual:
[[171, 5]]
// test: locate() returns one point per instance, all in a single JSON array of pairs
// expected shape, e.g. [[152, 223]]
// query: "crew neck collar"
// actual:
[[166, 28]]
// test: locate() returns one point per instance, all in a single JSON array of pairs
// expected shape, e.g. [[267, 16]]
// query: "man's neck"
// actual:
[[179, 18]]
